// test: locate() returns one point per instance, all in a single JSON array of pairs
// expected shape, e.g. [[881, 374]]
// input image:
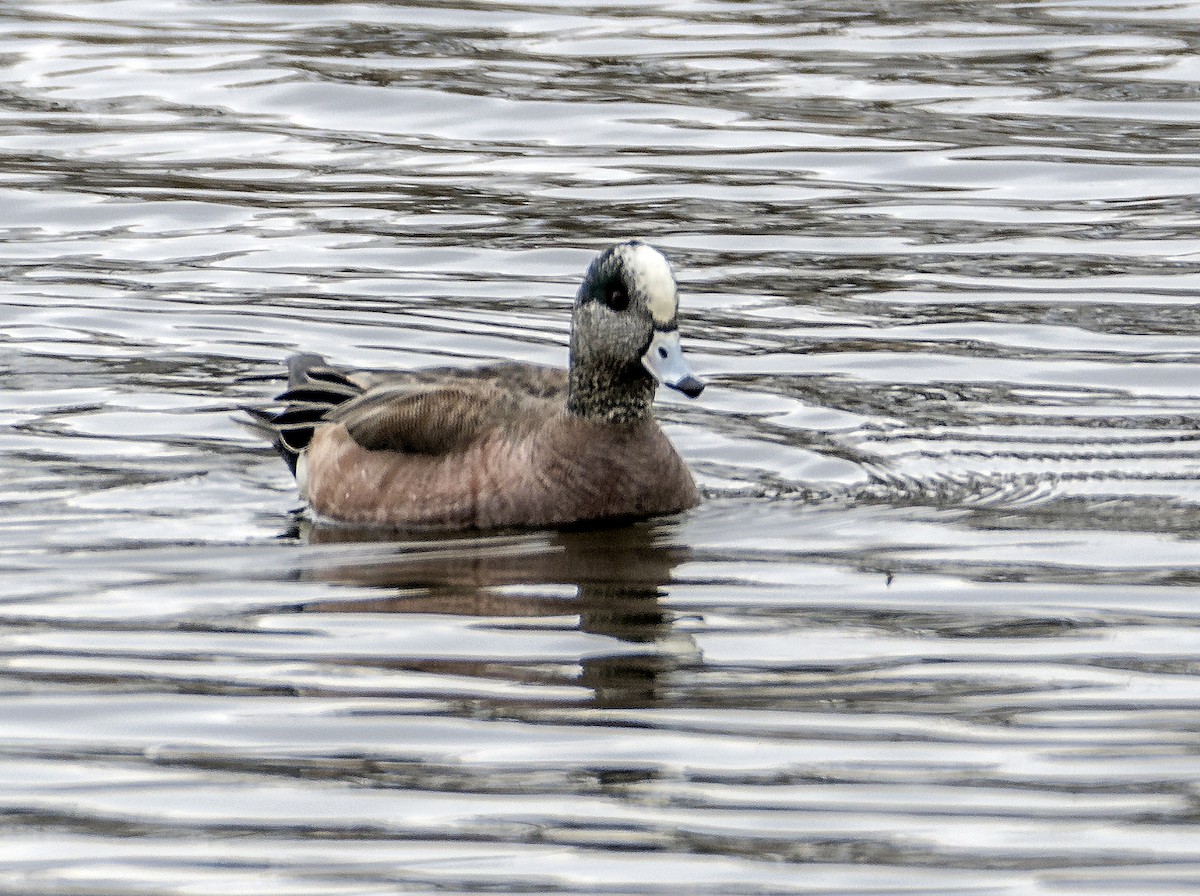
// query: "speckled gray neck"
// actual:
[[611, 396]]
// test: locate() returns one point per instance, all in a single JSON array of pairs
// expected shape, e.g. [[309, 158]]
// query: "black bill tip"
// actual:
[[689, 386]]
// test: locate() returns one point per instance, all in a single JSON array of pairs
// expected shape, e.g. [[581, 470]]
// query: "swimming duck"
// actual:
[[507, 444]]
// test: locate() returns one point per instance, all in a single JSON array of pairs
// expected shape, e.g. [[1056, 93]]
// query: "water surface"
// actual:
[[934, 628]]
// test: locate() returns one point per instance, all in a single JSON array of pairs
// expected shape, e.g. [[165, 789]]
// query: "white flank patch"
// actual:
[[302, 475], [656, 280]]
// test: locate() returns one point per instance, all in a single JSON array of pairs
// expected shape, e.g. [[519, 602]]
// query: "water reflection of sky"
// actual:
[[933, 625]]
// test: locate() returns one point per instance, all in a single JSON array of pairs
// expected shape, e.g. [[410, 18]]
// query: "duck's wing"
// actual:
[[443, 410], [422, 418]]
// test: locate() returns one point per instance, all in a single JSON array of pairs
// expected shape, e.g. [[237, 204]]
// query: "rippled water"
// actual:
[[935, 628]]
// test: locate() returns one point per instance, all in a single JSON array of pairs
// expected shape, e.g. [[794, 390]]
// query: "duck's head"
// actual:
[[625, 334]]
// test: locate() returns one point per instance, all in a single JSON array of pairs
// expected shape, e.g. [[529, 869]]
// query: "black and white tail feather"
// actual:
[[314, 389]]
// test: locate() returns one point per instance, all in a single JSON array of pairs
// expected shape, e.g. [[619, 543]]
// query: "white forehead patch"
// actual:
[[654, 277]]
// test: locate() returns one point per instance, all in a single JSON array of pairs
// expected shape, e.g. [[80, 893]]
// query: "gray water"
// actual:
[[935, 628]]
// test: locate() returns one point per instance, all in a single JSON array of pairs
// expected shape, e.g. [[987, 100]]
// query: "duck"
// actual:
[[507, 444]]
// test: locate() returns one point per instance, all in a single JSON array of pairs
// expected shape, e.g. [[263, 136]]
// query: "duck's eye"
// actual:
[[617, 298]]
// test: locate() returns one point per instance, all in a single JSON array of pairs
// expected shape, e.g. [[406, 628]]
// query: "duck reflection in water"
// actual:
[[611, 578]]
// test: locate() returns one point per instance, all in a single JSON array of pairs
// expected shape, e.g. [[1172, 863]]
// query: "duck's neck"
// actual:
[[623, 395]]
